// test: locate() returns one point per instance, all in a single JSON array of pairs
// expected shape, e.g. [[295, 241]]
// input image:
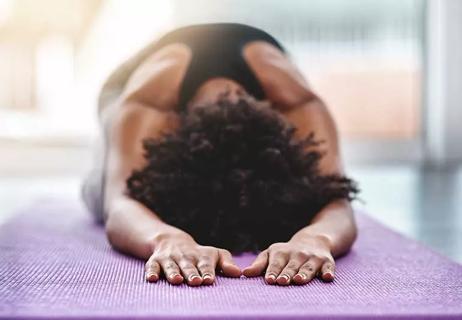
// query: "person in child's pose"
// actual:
[[212, 142]]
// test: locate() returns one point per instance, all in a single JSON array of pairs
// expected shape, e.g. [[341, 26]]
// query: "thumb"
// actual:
[[258, 265], [227, 265]]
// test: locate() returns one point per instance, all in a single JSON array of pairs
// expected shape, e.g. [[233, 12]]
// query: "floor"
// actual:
[[422, 203], [425, 204]]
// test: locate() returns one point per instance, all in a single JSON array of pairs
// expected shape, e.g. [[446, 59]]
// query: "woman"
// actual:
[[212, 143]]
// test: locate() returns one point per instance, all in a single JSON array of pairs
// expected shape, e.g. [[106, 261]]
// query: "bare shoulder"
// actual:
[[283, 83], [132, 120], [157, 80]]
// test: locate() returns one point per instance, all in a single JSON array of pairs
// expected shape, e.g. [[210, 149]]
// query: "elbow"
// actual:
[[116, 239], [114, 223], [112, 233]]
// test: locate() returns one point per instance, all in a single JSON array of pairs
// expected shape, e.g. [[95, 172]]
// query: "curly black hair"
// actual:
[[233, 176]]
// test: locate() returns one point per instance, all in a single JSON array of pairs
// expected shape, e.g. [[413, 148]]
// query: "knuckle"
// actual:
[[300, 255], [170, 266], [279, 253], [316, 260], [225, 252], [275, 265], [330, 266], [159, 256], [187, 266], [204, 265], [263, 254], [275, 245], [175, 256], [189, 271], [187, 257], [210, 249], [292, 264], [309, 255], [308, 268], [151, 266], [326, 261], [205, 257]]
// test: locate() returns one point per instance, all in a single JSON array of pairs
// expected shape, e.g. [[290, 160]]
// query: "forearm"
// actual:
[[130, 226], [133, 229], [335, 224]]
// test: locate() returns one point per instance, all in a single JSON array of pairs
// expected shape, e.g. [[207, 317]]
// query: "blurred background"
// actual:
[[390, 71]]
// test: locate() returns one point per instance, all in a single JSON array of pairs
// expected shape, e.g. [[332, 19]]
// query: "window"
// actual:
[[363, 57]]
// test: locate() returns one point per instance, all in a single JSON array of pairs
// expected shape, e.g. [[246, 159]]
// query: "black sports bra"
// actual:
[[217, 52]]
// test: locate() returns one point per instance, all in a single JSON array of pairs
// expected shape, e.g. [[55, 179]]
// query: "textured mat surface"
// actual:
[[55, 263]]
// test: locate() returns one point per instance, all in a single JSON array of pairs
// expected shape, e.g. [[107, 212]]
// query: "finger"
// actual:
[[206, 266], [258, 265], [308, 271], [289, 271], [328, 271], [189, 271], [276, 263], [227, 265], [152, 270], [171, 271]]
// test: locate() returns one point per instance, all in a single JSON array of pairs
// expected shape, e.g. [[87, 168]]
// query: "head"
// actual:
[[233, 176]]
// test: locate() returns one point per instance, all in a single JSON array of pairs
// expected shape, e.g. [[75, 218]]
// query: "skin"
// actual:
[[148, 107]]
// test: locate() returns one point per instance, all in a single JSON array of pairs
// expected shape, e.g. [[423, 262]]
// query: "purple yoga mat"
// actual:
[[55, 263]]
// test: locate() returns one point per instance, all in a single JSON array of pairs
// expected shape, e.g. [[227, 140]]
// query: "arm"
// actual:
[[332, 231], [131, 228], [335, 222], [134, 229]]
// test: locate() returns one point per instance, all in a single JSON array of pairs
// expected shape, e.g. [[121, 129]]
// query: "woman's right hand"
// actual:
[[180, 258]]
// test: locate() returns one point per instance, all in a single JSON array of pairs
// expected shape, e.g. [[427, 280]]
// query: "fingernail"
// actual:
[[284, 278], [151, 277], [271, 277], [207, 277], [301, 275], [192, 277], [328, 275]]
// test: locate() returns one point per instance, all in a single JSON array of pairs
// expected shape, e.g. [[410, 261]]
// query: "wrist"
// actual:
[[319, 238], [167, 235]]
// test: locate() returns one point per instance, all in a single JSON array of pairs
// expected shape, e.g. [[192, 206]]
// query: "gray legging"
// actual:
[[93, 185]]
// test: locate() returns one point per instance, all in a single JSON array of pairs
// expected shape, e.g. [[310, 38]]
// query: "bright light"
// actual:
[[5, 10]]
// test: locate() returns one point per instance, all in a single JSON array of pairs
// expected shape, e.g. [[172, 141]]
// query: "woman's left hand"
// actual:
[[297, 261]]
